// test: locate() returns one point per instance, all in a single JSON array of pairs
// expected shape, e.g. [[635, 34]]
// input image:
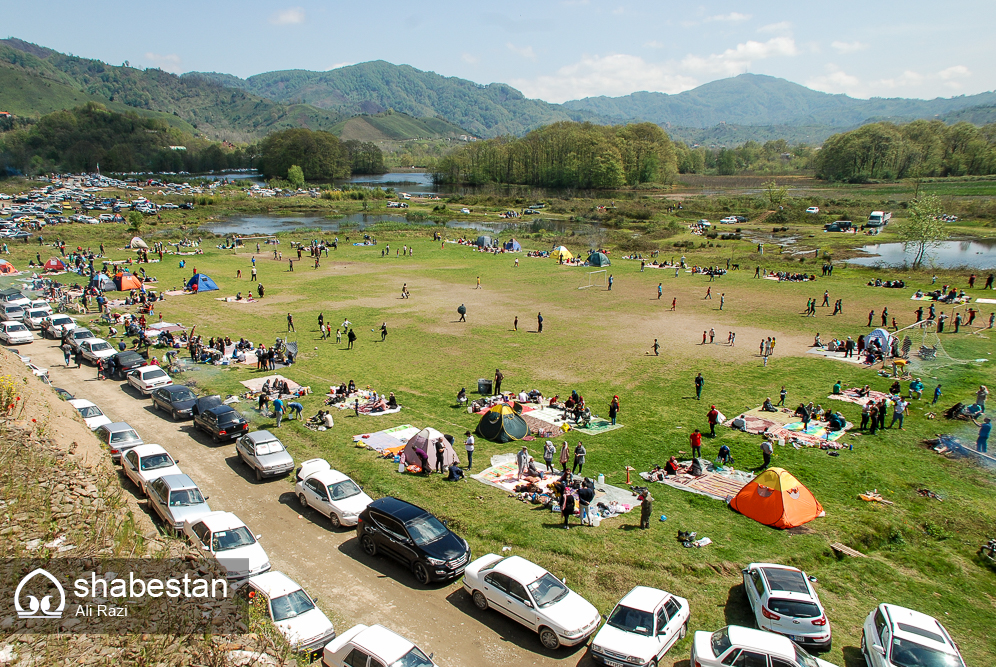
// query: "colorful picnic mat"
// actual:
[[719, 484], [388, 442], [555, 418], [851, 396]]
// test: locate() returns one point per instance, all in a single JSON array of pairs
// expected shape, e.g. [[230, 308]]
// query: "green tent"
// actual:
[[598, 259], [502, 424]]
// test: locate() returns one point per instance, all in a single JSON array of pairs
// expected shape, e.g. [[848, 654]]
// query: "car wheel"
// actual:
[[215, 438], [549, 638], [683, 631], [175, 416], [259, 475], [369, 546], [303, 500], [421, 573], [335, 520], [480, 601]]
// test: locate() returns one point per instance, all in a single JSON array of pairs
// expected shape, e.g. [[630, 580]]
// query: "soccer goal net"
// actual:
[[593, 279]]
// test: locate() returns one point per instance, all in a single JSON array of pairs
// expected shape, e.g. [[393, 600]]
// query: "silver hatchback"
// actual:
[[265, 454], [175, 498]]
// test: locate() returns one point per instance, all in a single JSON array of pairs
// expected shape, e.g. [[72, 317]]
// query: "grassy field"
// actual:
[[920, 551]]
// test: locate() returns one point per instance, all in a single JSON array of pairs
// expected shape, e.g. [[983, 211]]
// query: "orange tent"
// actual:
[[127, 281], [6, 268], [776, 498]]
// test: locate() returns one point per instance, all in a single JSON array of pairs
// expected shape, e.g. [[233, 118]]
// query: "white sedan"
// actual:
[[146, 463], [229, 540], [91, 414], [641, 629], [813, 209], [34, 318], [14, 333], [56, 325], [148, 378], [530, 595], [374, 645], [94, 349], [895, 636], [736, 645], [305, 627], [330, 492]]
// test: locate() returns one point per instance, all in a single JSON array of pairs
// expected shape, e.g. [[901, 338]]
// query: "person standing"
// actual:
[[567, 508], [294, 410], [712, 335], [290, 323], [67, 353], [865, 415], [660, 290], [478, 283], [469, 444], [423, 461], [937, 394], [646, 510], [982, 442], [871, 314], [350, 339], [522, 461], [565, 453], [338, 334], [885, 317], [613, 409], [898, 412], [699, 383], [440, 452], [252, 275], [766, 450], [781, 396], [586, 494], [610, 282], [981, 396], [657, 348], [463, 313], [321, 322], [278, 409], [713, 417], [515, 323], [708, 293], [722, 300], [499, 376], [696, 440], [674, 307], [383, 332], [78, 357], [579, 454], [826, 298]]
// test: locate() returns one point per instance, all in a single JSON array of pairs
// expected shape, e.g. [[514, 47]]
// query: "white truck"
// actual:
[[879, 219]]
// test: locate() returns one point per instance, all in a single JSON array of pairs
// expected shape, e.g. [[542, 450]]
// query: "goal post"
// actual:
[[593, 279]]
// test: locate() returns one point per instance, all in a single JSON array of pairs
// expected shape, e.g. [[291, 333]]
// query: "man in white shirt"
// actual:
[[898, 412], [470, 450]]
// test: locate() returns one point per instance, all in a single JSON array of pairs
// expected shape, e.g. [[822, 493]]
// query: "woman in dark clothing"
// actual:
[[614, 409], [567, 508], [873, 415]]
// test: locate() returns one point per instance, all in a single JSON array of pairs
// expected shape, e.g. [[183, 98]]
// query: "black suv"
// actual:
[[127, 361], [414, 537], [221, 422]]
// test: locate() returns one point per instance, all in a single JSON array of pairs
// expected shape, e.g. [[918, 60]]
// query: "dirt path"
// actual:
[[348, 584]]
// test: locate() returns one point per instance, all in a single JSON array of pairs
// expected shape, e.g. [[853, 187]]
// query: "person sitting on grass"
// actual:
[[895, 389], [672, 467], [532, 470], [740, 424], [725, 456], [836, 388], [768, 406], [455, 473]]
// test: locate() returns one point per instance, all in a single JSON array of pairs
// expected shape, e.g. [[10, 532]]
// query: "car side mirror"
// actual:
[[878, 649], [177, 461], [259, 537], [528, 603], [207, 497], [205, 547]]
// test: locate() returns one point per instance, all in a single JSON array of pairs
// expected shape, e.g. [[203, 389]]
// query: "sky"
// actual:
[[554, 50]]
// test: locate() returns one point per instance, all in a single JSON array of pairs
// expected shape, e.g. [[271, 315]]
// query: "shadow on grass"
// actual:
[[737, 610], [853, 657]]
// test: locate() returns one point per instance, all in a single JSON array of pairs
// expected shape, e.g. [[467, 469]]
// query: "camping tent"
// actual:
[[127, 281], [598, 259], [560, 252], [883, 337], [138, 244], [513, 246], [203, 283], [104, 283], [483, 241], [6, 268], [54, 264], [426, 439], [776, 498], [502, 424]]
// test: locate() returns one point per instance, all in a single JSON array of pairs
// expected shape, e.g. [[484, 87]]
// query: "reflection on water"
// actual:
[[949, 254], [253, 225]]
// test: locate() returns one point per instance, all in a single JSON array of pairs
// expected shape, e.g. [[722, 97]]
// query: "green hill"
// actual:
[[391, 126], [980, 115]]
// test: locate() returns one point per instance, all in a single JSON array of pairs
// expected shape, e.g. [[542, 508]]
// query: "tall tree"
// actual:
[[923, 228]]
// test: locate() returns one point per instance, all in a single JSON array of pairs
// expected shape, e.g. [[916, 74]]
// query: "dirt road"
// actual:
[[350, 586]]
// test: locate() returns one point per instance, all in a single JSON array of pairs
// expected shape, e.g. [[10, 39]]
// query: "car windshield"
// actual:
[[291, 605], [124, 436], [720, 641], [271, 447], [547, 590], [82, 334], [37, 314], [804, 658], [154, 373], [88, 411], [632, 620], [156, 461], [223, 540], [414, 658], [62, 320], [910, 654], [794, 608], [233, 417], [97, 347], [16, 327], [185, 497], [182, 394], [426, 530], [344, 489]]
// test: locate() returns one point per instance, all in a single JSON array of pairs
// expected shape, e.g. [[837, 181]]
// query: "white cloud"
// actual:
[[338, 65], [291, 16], [738, 59], [470, 59], [836, 81], [780, 27], [523, 51], [952, 72], [615, 74], [909, 83], [848, 47], [732, 17], [167, 63]]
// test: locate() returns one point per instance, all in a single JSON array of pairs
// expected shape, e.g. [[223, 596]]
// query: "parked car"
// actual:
[[265, 454], [144, 463], [202, 403], [221, 422], [293, 612], [76, 336], [175, 399], [230, 541], [94, 349], [729, 220], [148, 378], [119, 438], [15, 333], [64, 394], [641, 628], [40, 304], [414, 537], [90, 412], [127, 361], [530, 595], [38, 372], [56, 325], [895, 636], [11, 313], [785, 602], [33, 318], [330, 492], [14, 297], [175, 498], [373, 645], [813, 209], [735, 645]]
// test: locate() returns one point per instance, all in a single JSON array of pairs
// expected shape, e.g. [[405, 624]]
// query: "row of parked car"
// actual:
[[639, 631]]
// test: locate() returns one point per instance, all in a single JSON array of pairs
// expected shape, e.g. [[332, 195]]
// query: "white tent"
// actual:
[[138, 244], [883, 337], [426, 440]]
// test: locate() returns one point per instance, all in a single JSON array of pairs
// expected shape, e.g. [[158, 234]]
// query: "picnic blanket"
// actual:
[[256, 384], [388, 442], [837, 355], [552, 417], [816, 435], [232, 299], [178, 292], [985, 301], [851, 396], [717, 482]]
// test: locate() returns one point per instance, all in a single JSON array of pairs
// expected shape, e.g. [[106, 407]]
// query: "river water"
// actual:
[[948, 255]]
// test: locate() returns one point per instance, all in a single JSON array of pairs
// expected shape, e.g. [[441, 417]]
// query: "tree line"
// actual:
[[771, 157], [921, 148], [566, 155]]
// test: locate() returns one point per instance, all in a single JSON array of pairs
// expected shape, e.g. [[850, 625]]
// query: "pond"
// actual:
[[254, 225], [948, 255]]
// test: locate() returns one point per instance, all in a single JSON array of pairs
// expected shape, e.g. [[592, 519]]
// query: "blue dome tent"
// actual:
[[201, 283], [513, 246]]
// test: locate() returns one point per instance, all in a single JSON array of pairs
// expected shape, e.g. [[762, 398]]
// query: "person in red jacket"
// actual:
[[696, 439], [713, 417]]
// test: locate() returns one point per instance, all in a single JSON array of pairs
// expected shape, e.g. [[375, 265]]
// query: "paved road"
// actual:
[[329, 564]]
